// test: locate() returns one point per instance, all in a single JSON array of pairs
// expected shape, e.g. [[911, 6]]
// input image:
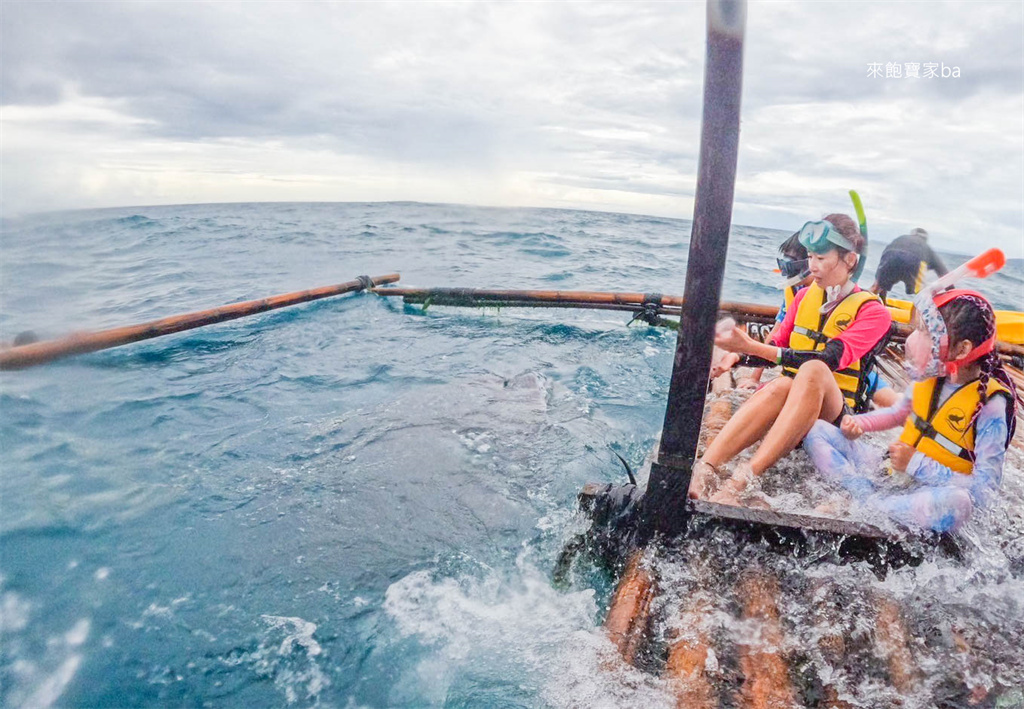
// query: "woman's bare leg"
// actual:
[[814, 395], [749, 423]]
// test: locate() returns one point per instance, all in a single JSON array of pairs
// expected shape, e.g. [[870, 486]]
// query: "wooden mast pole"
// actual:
[[664, 505]]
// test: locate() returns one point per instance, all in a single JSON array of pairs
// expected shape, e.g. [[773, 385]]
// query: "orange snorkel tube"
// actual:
[[981, 266]]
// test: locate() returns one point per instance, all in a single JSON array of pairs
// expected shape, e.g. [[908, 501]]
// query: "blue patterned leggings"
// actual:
[[856, 466]]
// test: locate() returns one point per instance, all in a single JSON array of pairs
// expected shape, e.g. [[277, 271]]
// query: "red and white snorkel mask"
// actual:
[[928, 351], [928, 354]]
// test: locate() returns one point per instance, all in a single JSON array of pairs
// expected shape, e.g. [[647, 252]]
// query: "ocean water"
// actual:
[[353, 503]]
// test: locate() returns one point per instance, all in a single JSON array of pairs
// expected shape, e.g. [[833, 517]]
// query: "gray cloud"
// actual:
[[588, 105]]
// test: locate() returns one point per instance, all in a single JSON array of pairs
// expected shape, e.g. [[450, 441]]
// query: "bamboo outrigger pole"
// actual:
[[587, 300], [35, 353], [659, 303], [664, 504]]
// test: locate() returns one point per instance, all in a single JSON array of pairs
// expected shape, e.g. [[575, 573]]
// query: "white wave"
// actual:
[[14, 613], [302, 635], [291, 662], [517, 632], [52, 687]]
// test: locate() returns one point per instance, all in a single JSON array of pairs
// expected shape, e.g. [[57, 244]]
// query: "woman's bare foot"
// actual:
[[834, 507], [730, 491], [704, 479]]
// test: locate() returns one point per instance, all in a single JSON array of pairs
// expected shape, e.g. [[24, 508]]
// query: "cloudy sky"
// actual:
[[582, 105]]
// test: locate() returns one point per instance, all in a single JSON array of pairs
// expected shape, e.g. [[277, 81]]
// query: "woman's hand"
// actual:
[[751, 382], [727, 362], [850, 428], [899, 455], [735, 340]]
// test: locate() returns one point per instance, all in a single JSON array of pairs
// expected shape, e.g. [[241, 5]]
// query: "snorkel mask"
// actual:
[[822, 236], [793, 270], [928, 351], [928, 354], [792, 267]]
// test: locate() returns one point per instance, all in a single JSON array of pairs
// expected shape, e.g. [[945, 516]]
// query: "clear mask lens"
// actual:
[[793, 267], [926, 349], [822, 236]]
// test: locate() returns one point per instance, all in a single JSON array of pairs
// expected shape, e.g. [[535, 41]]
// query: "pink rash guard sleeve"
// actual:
[[891, 417]]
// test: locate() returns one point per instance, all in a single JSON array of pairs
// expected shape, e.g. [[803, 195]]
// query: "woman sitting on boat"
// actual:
[[825, 346], [958, 420], [792, 263]]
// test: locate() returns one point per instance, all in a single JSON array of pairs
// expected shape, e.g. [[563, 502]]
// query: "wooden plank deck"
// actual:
[[792, 520]]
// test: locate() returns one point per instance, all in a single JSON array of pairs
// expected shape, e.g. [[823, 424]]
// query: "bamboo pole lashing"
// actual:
[[470, 296]]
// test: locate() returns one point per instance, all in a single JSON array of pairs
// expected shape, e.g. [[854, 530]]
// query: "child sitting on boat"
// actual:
[[792, 263], [824, 344], [958, 419]]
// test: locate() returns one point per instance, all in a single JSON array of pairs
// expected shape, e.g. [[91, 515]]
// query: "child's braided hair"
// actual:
[[971, 318]]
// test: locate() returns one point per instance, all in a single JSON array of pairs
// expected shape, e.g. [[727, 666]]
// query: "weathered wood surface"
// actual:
[[791, 520], [630, 610]]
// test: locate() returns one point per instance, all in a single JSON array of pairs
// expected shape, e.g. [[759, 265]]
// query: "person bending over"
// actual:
[[906, 259]]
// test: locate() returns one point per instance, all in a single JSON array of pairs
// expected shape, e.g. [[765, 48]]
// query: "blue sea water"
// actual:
[[348, 503]]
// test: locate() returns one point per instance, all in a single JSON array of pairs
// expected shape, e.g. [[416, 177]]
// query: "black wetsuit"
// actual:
[[906, 259]]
